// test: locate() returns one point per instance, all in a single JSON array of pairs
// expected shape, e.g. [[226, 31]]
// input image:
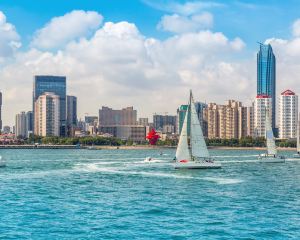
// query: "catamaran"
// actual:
[[271, 156], [194, 155], [297, 155]]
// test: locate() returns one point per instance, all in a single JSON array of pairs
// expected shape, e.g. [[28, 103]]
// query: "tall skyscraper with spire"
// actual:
[[266, 76]]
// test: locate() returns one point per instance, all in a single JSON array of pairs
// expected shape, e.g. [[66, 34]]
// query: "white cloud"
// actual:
[[296, 28], [71, 26], [9, 38], [118, 66], [180, 24]]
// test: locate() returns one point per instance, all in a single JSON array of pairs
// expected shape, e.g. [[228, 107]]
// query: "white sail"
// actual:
[[298, 138], [271, 147], [183, 152], [198, 145]]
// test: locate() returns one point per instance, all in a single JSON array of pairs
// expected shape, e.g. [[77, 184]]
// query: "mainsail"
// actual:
[[271, 147], [183, 152], [198, 144]]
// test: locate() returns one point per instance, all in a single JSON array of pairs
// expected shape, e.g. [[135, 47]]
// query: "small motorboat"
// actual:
[[271, 158], [2, 162], [148, 159]]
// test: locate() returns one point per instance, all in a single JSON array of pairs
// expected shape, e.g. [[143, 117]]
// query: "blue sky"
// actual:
[[144, 53], [250, 20]]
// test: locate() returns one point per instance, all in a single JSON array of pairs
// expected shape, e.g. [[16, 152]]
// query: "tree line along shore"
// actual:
[[247, 142]]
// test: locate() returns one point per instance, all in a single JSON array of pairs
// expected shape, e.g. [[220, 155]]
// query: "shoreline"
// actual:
[[137, 147]]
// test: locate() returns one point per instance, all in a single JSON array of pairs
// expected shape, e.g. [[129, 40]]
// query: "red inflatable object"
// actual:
[[153, 137]]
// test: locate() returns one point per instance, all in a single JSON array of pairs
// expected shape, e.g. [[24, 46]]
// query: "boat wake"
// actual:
[[223, 181]]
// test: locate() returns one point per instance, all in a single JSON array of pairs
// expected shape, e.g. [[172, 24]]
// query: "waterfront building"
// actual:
[[266, 76], [47, 115], [21, 125], [71, 114], [6, 130], [0, 111], [288, 115], [181, 111], [159, 121], [226, 121], [250, 120], [110, 117], [134, 133], [56, 85], [143, 122], [29, 122], [262, 106]]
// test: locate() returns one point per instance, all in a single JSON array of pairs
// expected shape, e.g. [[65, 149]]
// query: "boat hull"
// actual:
[[264, 158], [296, 156], [198, 165]]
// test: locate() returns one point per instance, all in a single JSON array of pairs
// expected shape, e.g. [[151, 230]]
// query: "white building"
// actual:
[[288, 115], [262, 106], [21, 126], [47, 115]]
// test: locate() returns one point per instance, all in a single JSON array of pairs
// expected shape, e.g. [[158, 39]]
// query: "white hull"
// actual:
[[198, 165], [2, 163], [264, 158]]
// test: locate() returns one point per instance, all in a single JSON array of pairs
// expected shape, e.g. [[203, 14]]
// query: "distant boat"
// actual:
[[271, 156], [194, 155], [2, 162], [297, 155]]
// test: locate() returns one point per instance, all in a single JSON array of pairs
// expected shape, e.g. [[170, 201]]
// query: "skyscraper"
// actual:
[[266, 76], [21, 128], [56, 85], [71, 114], [47, 115], [288, 115], [125, 116], [0, 112]]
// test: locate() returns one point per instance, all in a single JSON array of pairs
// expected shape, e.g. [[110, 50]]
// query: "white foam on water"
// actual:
[[223, 181], [238, 156], [240, 161], [293, 159]]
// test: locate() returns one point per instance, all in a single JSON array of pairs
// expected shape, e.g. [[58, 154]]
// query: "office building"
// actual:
[[159, 121], [29, 122], [181, 111], [144, 122], [6, 130], [21, 125], [47, 115], [110, 117], [288, 115], [134, 133], [57, 86], [266, 76], [262, 107], [71, 114]]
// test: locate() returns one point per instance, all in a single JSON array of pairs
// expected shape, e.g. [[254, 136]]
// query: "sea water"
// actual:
[[114, 194]]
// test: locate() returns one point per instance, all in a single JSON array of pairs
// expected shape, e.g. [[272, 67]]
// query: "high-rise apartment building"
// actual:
[[159, 121], [56, 85], [47, 115], [144, 122], [250, 120], [266, 76], [110, 117], [71, 114], [29, 122], [288, 115], [21, 125], [262, 109], [226, 121]]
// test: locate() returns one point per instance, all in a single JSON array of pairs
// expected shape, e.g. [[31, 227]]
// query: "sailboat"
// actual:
[[271, 156], [297, 155], [194, 155]]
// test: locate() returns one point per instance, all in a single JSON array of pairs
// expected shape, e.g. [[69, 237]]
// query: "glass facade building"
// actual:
[[266, 76], [56, 85]]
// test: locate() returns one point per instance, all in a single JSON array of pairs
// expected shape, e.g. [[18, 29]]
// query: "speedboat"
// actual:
[[2, 162], [148, 159], [297, 155]]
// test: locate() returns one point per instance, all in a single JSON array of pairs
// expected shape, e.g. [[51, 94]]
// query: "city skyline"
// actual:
[[186, 45]]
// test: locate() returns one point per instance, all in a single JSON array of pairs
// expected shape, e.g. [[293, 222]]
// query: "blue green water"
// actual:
[[113, 194]]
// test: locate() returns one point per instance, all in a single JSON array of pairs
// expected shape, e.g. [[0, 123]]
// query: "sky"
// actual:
[[144, 53]]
